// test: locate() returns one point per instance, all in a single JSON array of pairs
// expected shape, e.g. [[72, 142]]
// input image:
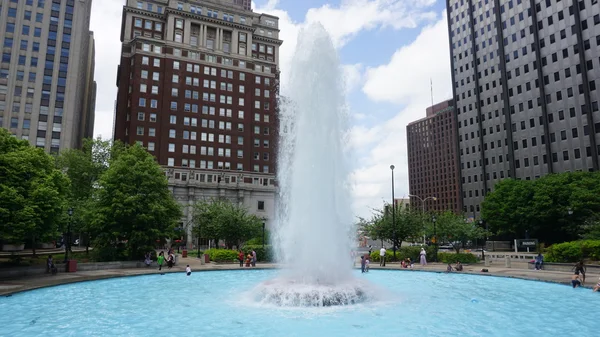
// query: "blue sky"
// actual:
[[389, 50]]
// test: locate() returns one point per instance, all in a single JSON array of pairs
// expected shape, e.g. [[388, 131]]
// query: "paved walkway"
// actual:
[[518, 270]]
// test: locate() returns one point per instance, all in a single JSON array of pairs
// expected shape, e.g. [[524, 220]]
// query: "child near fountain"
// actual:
[[367, 262]]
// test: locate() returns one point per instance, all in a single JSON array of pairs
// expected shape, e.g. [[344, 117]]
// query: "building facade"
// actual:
[[47, 88], [433, 173], [197, 86], [525, 76]]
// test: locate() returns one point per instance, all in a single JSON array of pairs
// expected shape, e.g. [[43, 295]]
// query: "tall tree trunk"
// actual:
[[87, 244], [33, 245]]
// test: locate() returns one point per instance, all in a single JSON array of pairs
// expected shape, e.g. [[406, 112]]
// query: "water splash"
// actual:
[[314, 210]]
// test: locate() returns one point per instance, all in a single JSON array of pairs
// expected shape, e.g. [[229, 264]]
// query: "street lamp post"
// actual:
[[435, 257], [263, 240], [68, 236], [483, 246], [392, 167], [423, 209]]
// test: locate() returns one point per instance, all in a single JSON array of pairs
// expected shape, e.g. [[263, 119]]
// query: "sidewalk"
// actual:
[[519, 270]]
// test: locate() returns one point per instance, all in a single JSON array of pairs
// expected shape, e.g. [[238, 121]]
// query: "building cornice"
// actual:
[[209, 19], [267, 39]]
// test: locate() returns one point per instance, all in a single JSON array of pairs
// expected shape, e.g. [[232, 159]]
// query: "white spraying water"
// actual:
[[315, 219]]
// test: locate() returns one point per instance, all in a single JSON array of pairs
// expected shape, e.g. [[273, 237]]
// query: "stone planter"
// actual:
[[47, 246], [10, 247]]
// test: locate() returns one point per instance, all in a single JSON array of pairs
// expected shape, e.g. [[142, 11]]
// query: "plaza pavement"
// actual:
[[518, 270]]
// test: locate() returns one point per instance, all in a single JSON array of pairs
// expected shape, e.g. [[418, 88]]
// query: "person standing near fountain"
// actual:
[[253, 258], [423, 257], [382, 257], [160, 260], [362, 263]]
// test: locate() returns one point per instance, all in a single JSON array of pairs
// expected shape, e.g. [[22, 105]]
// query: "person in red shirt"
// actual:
[[241, 258]]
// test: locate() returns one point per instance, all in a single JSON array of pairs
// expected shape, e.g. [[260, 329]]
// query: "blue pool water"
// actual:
[[216, 304]]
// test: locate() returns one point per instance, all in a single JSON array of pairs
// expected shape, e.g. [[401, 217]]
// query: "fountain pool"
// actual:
[[219, 303]]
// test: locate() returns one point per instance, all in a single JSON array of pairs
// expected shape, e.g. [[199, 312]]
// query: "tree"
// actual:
[[32, 192], [221, 219], [452, 228], [84, 167], [507, 210], [408, 225], [132, 205], [551, 209]]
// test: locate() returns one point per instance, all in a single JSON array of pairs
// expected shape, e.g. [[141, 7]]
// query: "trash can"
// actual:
[[184, 253], [71, 266], [206, 258]]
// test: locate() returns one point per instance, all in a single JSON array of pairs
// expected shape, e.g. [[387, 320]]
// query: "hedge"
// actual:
[[459, 257], [222, 255], [573, 251], [414, 253], [227, 255]]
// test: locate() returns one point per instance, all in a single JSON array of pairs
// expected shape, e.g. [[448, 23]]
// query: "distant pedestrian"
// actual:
[[188, 270], [580, 269], [160, 260], [170, 261], [575, 282], [370, 250], [148, 259], [241, 258], [423, 257], [382, 257], [363, 263], [253, 258]]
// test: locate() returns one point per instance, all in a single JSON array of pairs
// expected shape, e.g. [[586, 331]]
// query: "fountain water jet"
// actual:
[[313, 236]]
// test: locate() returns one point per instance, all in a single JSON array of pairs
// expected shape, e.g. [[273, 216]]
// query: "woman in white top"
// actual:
[[423, 257]]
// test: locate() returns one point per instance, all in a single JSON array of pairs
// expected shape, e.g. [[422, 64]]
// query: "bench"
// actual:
[[564, 267]]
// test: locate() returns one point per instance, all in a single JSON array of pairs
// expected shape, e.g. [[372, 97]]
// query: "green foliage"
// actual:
[[84, 167], [132, 205], [453, 228], [222, 255], [457, 257], [222, 219], [408, 225], [258, 241], [262, 254], [573, 251], [414, 253], [541, 207], [32, 192]]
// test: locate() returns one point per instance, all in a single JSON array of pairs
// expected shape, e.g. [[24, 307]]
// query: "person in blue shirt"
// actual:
[[539, 261]]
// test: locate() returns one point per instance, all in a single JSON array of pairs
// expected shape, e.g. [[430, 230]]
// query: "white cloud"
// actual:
[[345, 21], [353, 76], [404, 80]]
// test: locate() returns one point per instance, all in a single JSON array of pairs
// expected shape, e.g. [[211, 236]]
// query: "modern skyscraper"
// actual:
[[524, 75], [433, 172], [47, 88], [198, 85]]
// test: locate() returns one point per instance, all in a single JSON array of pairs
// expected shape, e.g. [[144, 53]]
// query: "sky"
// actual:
[[391, 51]]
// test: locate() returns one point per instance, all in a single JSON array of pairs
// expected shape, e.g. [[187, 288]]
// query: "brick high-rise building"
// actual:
[[198, 85], [47, 88], [525, 77], [433, 172]]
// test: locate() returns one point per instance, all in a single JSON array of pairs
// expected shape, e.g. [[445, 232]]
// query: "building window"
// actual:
[[171, 162]]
